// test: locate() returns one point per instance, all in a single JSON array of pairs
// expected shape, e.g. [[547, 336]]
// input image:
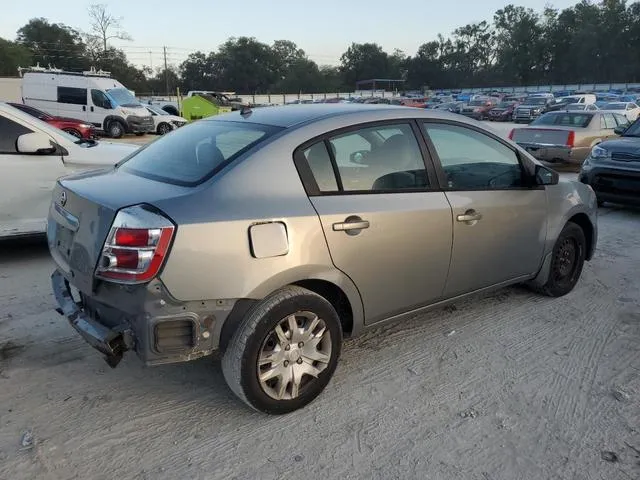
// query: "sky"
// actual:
[[324, 29]]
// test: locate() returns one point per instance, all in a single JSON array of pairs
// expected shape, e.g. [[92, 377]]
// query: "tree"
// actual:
[[54, 44], [364, 61], [244, 64], [103, 25], [12, 56]]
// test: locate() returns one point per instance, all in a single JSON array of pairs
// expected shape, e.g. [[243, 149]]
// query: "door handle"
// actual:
[[84, 108], [352, 225], [469, 216], [91, 108]]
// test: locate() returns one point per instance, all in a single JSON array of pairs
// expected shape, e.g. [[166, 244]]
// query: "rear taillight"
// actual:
[[136, 246], [511, 133], [571, 138]]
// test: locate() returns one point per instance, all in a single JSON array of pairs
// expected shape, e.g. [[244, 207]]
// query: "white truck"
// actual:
[[91, 96]]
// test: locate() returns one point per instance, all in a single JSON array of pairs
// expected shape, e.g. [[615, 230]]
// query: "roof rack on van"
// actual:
[[87, 73]]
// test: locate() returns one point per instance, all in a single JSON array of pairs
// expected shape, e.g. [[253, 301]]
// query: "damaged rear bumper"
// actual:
[[145, 319], [111, 342]]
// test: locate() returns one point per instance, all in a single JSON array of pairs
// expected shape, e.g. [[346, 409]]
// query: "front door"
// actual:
[[99, 107], [499, 223], [26, 182], [387, 226]]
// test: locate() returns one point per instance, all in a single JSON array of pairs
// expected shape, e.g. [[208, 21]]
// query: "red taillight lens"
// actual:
[[135, 255], [571, 138], [511, 133], [132, 237]]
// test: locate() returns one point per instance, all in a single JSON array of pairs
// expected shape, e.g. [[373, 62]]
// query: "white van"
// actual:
[[91, 96], [582, 99]]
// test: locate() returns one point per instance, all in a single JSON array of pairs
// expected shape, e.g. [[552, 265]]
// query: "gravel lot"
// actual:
[[510, 386]]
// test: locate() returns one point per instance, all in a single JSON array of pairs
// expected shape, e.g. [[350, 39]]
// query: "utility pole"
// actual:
[[166, 73]]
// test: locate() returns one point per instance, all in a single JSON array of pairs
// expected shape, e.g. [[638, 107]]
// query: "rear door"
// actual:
[[499, 223], [387, 225], [26, 182]]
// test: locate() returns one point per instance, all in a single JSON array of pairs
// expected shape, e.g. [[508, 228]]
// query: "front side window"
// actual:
[[472, 160], [194, 153], [9, 133], [73, 96], [99, 99]]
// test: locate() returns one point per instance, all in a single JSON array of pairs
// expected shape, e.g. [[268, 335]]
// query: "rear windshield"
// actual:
[[568, 119], [194, 153]]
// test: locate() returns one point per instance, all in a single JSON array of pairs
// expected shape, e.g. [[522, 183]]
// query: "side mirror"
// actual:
[[35, 143], [620, 129], [546, 176]]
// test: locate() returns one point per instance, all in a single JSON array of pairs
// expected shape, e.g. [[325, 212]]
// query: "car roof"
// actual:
[[290, 115]]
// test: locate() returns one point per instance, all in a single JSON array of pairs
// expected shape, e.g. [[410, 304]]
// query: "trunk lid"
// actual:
[[82, 211], [541, 136]]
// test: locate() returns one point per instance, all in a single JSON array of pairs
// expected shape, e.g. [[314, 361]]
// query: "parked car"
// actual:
[[566, 136], [91, 96], [581, 107], [163, 121], [478, 109], [244, 233], [72, 126], [503, 111], [629, 109], [612, 168], [531, 108], [453, 107], [562, 102], [33, 154]]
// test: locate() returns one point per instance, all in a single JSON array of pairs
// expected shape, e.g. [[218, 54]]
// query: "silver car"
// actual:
[[271, 235]]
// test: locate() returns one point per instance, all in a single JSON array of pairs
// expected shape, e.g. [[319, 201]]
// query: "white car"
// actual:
[[33, 154], [628, 109], [163, 121]]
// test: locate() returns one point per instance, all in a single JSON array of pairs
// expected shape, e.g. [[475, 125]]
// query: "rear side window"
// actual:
[[74, 96], [609, 120], [9, 133], [196, 152]]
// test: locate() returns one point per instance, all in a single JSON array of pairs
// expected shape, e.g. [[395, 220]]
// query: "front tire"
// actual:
[[284, 352], [163, 128], [567, 262], [74, 132], [115, 129]]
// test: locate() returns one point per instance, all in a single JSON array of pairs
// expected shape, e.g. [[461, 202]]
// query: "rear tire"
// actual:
[[115, 129], [567, 261], [275, 368]]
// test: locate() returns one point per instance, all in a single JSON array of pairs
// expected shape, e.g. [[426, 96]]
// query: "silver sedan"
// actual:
[[270, 235]]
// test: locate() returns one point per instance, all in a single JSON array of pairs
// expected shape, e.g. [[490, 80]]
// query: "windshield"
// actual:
[[196, 152], [633, 130], [580, 120], [505, 104], [615, 106], [477, 103], [535, 101], [123, 97], [156, 110]]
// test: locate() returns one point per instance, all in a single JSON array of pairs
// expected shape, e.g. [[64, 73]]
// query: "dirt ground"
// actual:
[[510, 386]]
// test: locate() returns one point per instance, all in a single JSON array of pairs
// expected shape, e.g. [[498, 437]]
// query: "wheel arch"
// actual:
[[583, 221], [333, 285], [110, 118]]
